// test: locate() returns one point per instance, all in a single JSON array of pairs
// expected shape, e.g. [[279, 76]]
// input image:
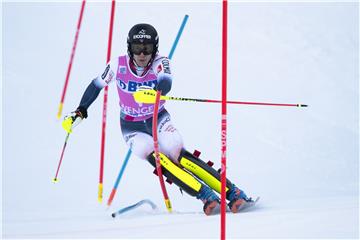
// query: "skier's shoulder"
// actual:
[[109, 71], [161, 65], [159, 59]]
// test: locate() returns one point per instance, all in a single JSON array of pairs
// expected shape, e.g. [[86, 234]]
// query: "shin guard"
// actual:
[[177, 175], [203, 171]]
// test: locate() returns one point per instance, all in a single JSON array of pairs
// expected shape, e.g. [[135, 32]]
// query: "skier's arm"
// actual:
[[94, 88], [162, 70], [89, 96]]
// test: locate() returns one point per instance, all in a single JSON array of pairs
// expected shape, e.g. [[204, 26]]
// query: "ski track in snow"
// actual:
[[285, 219]]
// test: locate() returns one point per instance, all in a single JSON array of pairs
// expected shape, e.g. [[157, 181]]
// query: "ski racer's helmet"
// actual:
[[146, 36]]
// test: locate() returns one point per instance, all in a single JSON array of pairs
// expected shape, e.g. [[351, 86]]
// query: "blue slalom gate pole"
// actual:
[[133, 206], [122, 170], [178, 36]]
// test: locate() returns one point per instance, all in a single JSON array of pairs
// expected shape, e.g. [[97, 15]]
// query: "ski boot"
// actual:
[[210, 199], [237, 199]]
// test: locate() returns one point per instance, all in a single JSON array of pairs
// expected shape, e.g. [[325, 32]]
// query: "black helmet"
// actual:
[[143, 33]]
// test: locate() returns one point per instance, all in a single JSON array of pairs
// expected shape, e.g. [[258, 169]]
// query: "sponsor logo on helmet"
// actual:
[[142, 35]]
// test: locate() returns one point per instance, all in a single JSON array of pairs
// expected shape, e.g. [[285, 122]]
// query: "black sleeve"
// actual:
[[89, 96]]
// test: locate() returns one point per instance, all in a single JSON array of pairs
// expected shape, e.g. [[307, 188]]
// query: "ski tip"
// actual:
[[302, 105]]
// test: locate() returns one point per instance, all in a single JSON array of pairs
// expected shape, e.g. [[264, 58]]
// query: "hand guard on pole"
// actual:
[[73, 119]]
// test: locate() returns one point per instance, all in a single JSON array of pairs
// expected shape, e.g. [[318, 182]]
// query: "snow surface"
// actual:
[[304, 163]]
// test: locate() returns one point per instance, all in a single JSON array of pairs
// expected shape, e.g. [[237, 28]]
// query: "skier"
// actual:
[[144, 67]]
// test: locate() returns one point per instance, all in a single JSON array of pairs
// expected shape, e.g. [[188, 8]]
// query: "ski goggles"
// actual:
[[138, 48]]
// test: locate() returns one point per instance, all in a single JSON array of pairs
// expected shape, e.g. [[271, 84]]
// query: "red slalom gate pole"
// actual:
[[61, 105], [103, 126], [223, 119], [157, 155]]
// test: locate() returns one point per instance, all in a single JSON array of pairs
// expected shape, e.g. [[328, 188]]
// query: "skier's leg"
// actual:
[[137, 137], [170, 140], [171, 144], [187, 182], [212, 178], [141, 144]]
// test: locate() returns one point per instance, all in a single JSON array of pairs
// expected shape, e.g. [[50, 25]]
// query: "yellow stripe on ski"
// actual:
[[202, 174], [179, 173]]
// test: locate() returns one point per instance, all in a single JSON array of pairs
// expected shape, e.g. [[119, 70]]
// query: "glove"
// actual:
[[73, 119], [164, 85]]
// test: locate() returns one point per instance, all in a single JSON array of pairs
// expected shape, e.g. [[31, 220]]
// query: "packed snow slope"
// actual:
[[302, 162]]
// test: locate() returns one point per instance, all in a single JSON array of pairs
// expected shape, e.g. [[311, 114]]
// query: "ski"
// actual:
[[134, 206]]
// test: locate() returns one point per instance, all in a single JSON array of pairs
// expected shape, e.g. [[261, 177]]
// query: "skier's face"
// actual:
[[142, 60]]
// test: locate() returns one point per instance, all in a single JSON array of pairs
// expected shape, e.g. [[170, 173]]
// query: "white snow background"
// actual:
[[302, 162]]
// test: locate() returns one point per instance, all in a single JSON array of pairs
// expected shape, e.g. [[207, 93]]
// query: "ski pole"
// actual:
[[186, 17], [157, 155], [55, 179], [71, 60], [148, 96], [119, 178]]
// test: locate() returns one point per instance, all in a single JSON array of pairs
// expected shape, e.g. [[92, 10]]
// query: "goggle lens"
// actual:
[[138, 48]]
